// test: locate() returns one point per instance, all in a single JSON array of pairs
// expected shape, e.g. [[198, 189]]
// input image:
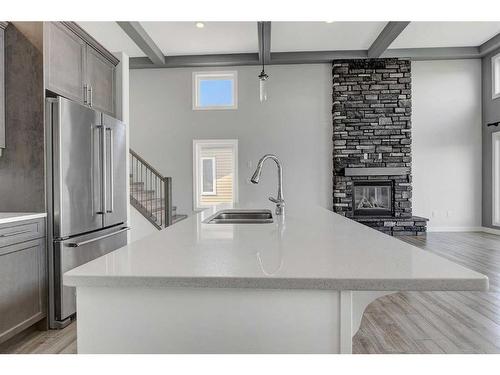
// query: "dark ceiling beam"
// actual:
[[264, 35], [195, 61], [315, 57], [390, 32], [490, 45], [140, 37], [438, 53], [309, 57]]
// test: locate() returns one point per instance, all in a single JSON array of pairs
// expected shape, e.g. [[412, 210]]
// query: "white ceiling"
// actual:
[[322, 36], [184, 38], [112, 37], [446, 34]]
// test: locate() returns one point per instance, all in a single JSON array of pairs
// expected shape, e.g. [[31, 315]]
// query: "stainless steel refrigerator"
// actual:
[[87, 201]]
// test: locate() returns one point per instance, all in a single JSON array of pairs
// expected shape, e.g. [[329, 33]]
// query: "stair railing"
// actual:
[[150, 192]]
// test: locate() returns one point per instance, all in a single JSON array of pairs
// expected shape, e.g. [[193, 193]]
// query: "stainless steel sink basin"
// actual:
[[237, 216]]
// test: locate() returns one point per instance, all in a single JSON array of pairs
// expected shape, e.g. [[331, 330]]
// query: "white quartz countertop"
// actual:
[[10, 217], [311, 248]]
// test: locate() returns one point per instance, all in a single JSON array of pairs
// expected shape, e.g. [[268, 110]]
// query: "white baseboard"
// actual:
[[491, 230], [455, 229], [464, 229]]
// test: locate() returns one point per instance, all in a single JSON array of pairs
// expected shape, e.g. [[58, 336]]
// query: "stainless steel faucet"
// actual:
[[279, 200]]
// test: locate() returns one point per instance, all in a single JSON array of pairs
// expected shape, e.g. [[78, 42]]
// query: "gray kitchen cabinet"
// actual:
[[23, 276], [65, 62], [78, 67], [101, 82], [3, 25]]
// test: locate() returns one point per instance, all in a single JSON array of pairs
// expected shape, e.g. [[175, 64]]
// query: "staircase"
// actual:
[[151, 193]]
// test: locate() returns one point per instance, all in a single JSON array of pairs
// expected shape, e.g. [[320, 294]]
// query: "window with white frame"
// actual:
[[215, 172], [495, 76], [208, 176], [495, 176], [215, 90]]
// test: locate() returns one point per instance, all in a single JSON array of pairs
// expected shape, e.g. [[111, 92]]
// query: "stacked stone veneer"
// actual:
[[372, 128]]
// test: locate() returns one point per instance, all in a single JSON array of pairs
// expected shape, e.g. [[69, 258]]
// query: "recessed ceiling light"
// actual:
[[200, 25], [329, 21]]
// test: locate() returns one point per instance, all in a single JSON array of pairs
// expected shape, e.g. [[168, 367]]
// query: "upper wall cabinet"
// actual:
[[78, 67], [65, 62], [101, 81]]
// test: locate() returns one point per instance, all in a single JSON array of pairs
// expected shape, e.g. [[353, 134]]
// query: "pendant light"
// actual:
[[262, 76], [262, 84]]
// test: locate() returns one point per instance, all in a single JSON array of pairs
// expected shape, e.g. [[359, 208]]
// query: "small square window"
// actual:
[[495, 76], [215, 90]]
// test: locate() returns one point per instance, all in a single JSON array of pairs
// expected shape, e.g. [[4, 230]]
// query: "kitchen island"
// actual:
[[297, 285]]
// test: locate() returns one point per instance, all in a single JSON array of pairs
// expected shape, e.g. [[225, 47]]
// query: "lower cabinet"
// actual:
[[23, 289]]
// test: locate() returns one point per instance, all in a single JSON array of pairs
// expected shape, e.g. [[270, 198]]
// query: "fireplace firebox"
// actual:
[[372, 198]]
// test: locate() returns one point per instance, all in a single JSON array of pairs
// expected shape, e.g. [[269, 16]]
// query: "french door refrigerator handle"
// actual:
[[78, 244], [103, 169], [90, 101], [85, 93], [111, 170]]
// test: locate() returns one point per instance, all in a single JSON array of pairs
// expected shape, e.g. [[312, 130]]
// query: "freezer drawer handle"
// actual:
[[15, 233], [78, 244]]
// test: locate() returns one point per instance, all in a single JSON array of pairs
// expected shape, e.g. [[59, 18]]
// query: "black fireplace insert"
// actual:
[[372, 198]]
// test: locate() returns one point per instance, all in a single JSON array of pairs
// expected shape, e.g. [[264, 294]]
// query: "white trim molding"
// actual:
[[495, 76]]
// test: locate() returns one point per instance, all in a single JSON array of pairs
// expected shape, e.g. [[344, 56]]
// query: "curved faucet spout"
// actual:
[[279, 200]]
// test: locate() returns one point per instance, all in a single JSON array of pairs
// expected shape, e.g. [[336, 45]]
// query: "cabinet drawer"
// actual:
[[21, 231]]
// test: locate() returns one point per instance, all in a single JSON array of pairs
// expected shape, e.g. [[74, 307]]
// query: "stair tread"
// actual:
[[134, 190]]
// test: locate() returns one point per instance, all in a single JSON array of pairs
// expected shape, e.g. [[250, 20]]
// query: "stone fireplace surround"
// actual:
[[372, 138]]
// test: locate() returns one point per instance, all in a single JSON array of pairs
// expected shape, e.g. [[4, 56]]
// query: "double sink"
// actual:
[[239, 216]]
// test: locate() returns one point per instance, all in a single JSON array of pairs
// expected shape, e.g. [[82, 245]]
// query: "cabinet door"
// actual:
[[101, 81], [65, 62], [2, 90], [22, 286]]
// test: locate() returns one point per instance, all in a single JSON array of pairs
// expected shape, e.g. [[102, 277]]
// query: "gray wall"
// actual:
[[22, 184], [446, 143], [295, 123], [491, 113]]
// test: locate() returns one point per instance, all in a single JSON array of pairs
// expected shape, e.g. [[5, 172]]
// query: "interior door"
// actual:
[[115, 181], [77, 160]]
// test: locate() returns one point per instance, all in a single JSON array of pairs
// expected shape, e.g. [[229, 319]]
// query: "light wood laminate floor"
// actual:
[[440, 322], [410, 322]]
